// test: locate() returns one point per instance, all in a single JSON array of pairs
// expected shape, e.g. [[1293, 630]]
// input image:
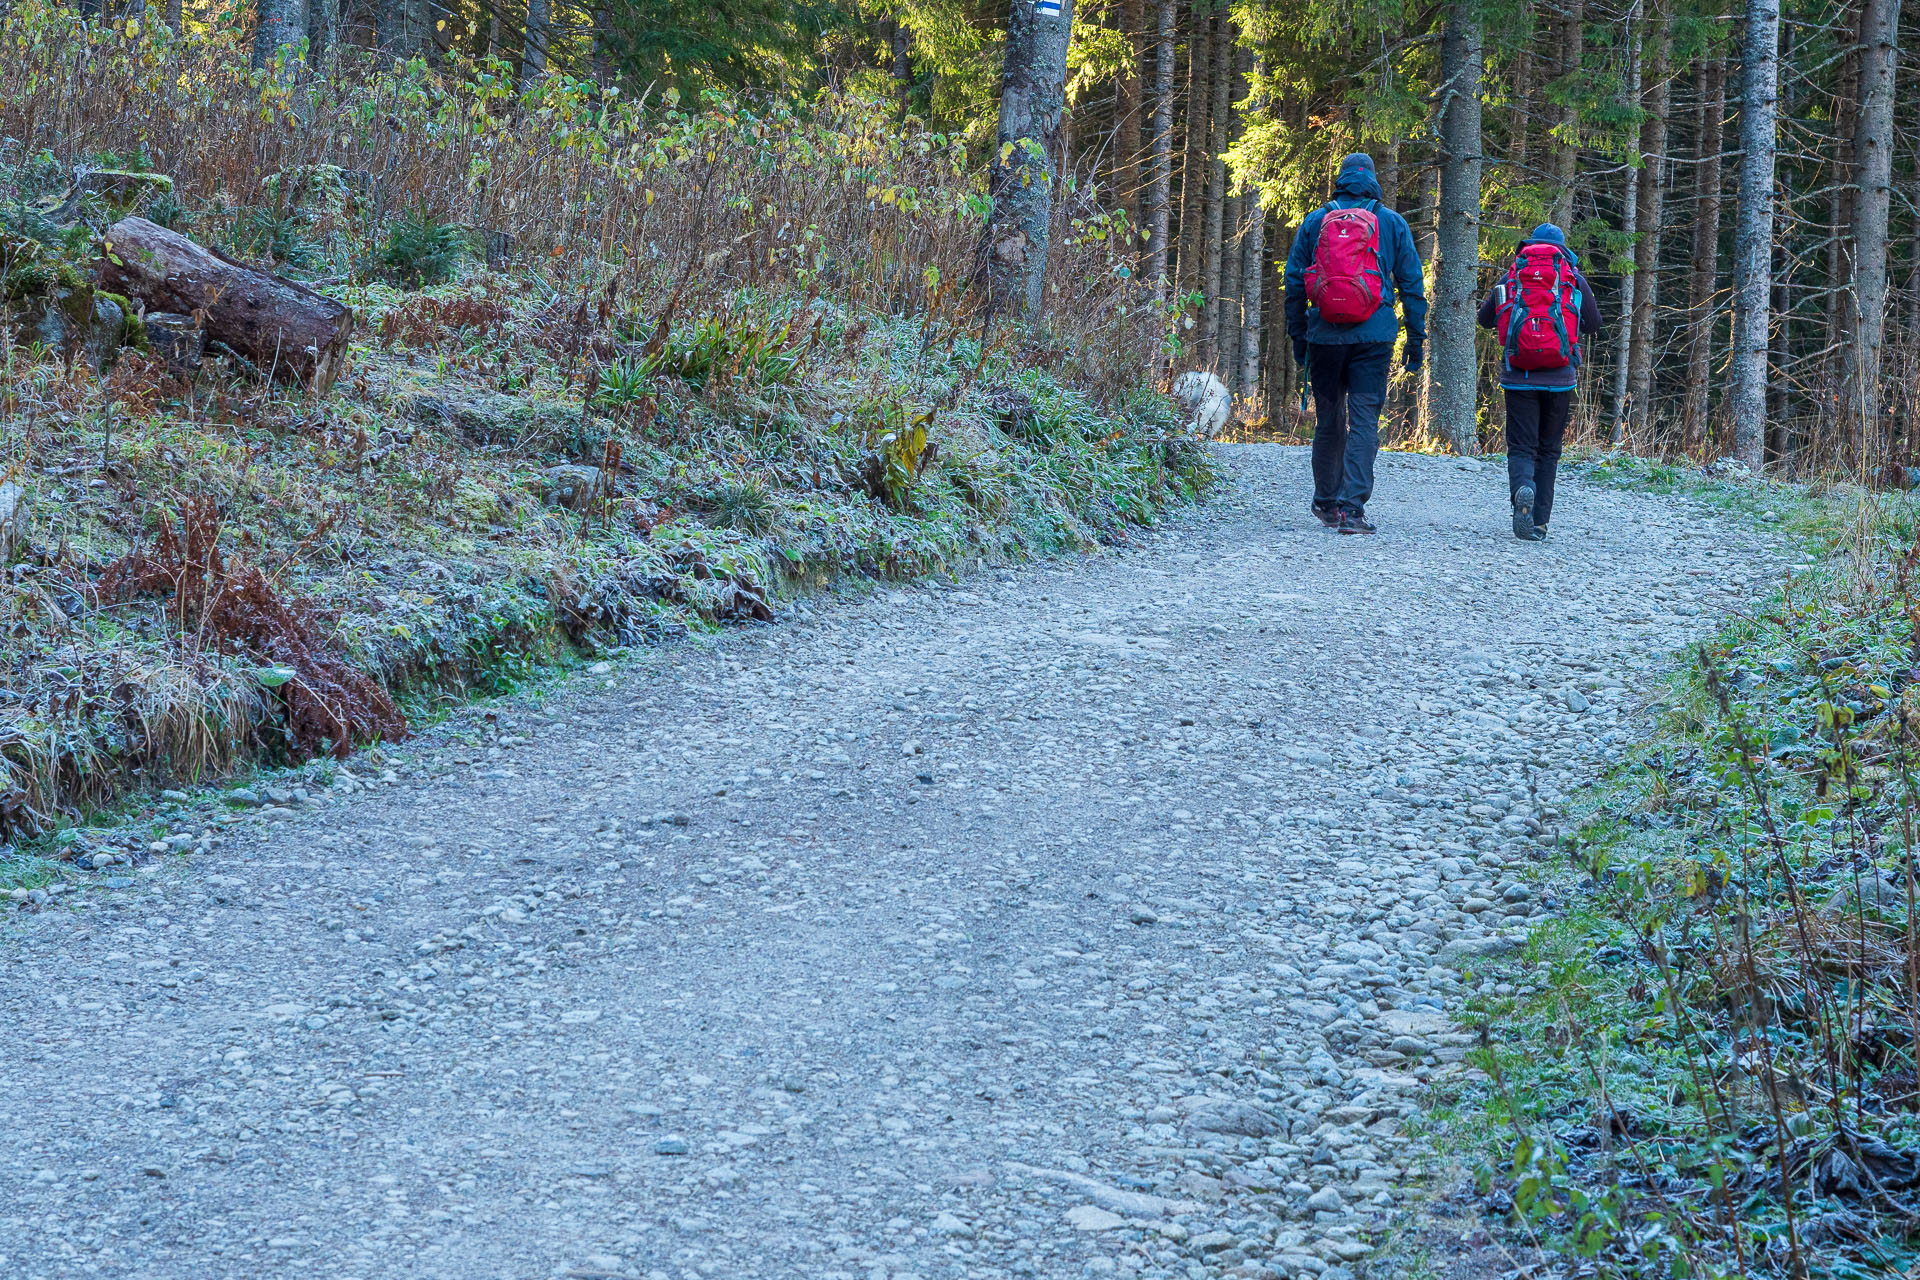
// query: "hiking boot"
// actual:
[[1539, 533], [1327, 514], [1523, 514], [1356, 522]]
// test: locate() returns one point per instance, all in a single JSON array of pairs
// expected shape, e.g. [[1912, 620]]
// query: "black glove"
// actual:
[[1416, 354], [1299, 350]]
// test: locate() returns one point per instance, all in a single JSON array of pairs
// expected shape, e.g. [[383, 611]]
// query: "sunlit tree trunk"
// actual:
[[1753, 229], [1566, 153], [1253, 244], [1160, 150], [1022, 173], [1629, 228], [1220, 85], [1129, 115], [1452, 374], [539, 35]]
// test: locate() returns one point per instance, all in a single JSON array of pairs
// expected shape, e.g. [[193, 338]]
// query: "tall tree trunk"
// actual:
[[1387, 171], [1253, 245], [1566, 154], [1021, 177], [533, 58], [1234, 224], [901, 42], [1706, 253], [1453, 374], [1753, 229], [1629, 229], [1128, 115], [173, 16], [1278, 378], [1193, 160], [1160, 152], [282, 23], [1654, 99], [1873, 141], [1219, 98], [323, 21], [1838, 180], [605, 53], [1522, 110]]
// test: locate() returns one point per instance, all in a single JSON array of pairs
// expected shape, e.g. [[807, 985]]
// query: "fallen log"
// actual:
[[284, 328]]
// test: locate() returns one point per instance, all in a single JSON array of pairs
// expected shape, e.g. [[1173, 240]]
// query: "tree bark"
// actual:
[[1253, 244], [1566, 154], [323, 21], [173, 16], [1234, 225], [1838, 179], [283, 23], [1220, 84], [1873, 141], [1522, 106], [1753, 229], [285, 329], [1128, 115], [1630, 229], [1160, 152], [1452, 376], [1193, 162], [1023, 172], [900, 41], [1657, 47], [539, 35], [1706, 253]]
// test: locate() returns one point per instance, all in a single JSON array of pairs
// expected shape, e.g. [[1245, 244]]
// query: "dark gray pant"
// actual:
[[1536, 430], [1349, 382]]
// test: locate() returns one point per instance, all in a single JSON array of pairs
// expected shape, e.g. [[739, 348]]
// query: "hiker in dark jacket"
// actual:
[[1539, 400], [1347, 362]]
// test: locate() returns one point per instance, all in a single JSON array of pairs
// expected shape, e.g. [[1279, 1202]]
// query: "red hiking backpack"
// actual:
[[1540, 315], [1345, 281]]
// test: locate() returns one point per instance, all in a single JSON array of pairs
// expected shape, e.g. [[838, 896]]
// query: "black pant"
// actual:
[[1349, 382], [1536, 430]]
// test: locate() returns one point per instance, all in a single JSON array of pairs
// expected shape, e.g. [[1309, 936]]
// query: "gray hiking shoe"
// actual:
[[1523, 526]]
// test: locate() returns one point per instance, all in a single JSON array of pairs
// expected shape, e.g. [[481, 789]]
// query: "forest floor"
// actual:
[[1099, 918]]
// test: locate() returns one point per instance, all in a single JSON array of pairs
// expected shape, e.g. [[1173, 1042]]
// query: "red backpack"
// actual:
[[1345, 281], [1540, 316]]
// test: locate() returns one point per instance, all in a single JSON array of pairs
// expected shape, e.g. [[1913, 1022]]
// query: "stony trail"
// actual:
[[1085, 919]]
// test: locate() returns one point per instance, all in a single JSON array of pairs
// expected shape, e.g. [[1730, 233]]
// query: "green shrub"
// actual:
[[422, 249]]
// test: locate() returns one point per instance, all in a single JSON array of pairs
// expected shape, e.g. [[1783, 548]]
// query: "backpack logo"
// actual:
[[1540, 318], [1345, 281]]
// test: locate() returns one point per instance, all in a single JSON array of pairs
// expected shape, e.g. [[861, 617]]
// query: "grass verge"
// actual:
[[1706, 1066]]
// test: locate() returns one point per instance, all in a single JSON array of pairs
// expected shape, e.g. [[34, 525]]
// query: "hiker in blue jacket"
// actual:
[[1340, 299], [1538, 379]]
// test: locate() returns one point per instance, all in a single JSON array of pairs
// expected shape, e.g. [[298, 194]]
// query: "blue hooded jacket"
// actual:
[[1512, 379], [1356, 186]]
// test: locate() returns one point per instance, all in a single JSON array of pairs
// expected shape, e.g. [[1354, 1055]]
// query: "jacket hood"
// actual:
[[1357, 179], [1547, 233]]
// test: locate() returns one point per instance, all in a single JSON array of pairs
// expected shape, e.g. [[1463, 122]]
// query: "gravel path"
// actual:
[[1089, 919]]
